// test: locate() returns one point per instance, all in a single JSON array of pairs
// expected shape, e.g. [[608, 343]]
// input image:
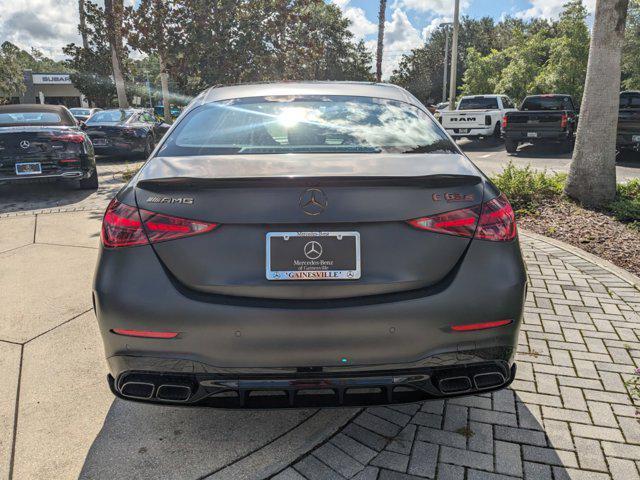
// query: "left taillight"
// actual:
[[494, 220], [564, 119], [68, 138], [126, 226]]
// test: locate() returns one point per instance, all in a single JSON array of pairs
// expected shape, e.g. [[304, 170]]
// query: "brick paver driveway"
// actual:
[[567, 415]]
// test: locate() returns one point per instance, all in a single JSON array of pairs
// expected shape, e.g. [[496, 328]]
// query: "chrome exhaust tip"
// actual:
[[454, 384], [141, 390], [174, 393]]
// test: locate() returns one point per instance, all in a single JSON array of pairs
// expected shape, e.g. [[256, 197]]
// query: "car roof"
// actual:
[[357, 89], [62, 111]]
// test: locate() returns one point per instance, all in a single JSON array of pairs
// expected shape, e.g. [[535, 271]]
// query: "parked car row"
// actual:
[[48, 141], [549, 118]]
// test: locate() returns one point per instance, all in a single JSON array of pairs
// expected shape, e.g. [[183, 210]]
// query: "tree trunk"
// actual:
[[114, 25], [381, 13], [83, 25], [164, 83], [592, 176]]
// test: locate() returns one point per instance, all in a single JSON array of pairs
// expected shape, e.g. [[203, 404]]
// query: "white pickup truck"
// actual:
[[477, 116]]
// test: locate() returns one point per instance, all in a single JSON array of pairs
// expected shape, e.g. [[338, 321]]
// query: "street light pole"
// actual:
[[446, 59], [454, 55]]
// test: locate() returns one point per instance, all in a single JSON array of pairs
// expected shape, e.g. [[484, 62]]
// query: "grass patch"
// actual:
[[527, 189], [128, 173]]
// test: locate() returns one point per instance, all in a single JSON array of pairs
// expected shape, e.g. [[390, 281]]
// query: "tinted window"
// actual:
[[29, 118], [307, 124], [478, 103], [630, 100], [80, 111], [110, 116], [547, 103]]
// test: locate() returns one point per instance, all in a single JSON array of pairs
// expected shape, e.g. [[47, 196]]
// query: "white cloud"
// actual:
[[440, 7], [550, 8], [434, 25], [360, 26], [400, 37]]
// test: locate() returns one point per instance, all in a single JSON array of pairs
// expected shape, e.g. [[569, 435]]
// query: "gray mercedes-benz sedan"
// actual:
[[308, 244]]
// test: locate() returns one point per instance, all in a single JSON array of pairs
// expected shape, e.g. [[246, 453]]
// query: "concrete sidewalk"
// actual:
[[568, 414]]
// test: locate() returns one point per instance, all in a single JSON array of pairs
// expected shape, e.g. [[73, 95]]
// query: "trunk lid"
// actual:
[[253, 196], [533, 120]]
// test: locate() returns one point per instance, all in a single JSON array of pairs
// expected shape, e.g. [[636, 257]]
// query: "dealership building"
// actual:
[[50, 88]]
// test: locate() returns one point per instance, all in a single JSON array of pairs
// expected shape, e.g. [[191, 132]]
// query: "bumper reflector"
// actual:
[[480, 326], [144, 333]]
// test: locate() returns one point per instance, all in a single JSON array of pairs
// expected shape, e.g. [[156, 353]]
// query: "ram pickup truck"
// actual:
[[477, 116], [629, 121], [541, 119]]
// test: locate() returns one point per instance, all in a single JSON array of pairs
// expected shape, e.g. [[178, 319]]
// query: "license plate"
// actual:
[[31, 168], [99, 141], [635, 138], [463, 130], [532, 134], [313, 256]]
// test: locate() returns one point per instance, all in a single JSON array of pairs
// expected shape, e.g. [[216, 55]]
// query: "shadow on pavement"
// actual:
[[542, 151], [488, 145], [151, 442]]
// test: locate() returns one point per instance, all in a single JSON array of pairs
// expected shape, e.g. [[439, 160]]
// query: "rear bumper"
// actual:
[[629, 141], [542, 136], [121, 148], [67, 175], [473, 132], [313, 390], [240, 338]]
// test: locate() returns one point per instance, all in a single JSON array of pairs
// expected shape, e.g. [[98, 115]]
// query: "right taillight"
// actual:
[[504, 122], [125, 226], [493, 220]]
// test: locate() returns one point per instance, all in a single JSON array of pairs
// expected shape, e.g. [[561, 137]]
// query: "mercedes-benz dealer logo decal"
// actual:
[[313, 250], [25, 144], [313, 201]]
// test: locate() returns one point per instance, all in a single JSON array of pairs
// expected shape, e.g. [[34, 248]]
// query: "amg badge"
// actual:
[[183, 200]]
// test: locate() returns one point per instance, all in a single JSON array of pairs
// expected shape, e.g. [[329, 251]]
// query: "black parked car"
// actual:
[[308, 244], [124, 132], [547, 118], [44, 141], [629, 121]]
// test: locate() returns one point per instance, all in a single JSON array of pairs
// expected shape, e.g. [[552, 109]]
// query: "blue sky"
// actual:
[[410, 22]]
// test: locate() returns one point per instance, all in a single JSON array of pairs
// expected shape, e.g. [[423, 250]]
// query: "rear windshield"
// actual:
[[478, 103], [630, 100], [547, 103], [110, 116], [30, 118], [305, 124], [80, 111]]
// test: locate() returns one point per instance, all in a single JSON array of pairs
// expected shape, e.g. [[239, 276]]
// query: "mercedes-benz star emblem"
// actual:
[[313, 201], [25, 144], [312, 250]]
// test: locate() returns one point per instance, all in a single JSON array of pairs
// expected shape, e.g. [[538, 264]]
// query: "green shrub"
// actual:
[[626, 206], [526, 188]]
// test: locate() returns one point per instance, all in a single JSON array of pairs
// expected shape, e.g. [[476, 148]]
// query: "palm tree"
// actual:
[[83, 25], [383, 7], [592, 175], [113, 10]]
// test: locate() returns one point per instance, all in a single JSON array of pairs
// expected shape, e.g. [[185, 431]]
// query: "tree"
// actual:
[[11, 79], [150, 28], [82, 26], [631, 49], [114, 11], [592, 175], [92, 68], [479, 77], [381, 19]]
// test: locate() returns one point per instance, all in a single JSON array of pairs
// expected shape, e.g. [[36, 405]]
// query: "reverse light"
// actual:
[[125, 226], [144, 333], [480, 326], [493, 220]]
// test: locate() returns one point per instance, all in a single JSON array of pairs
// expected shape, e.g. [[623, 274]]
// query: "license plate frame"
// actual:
[[635, 138], [463, 130], [532, 134], [315, 269], [27, 168]]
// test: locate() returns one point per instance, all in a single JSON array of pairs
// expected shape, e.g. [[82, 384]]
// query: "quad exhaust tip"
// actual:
[[464, 383], [174, 393], [141, 390], [149, 386]]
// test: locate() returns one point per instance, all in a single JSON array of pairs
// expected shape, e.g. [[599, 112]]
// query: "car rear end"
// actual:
[[628, 134], [112, 134], [472, 118], [542, 118], [38, 144], [308, 279]]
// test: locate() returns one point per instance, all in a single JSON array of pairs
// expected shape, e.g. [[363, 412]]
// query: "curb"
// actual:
[[601, 262]]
